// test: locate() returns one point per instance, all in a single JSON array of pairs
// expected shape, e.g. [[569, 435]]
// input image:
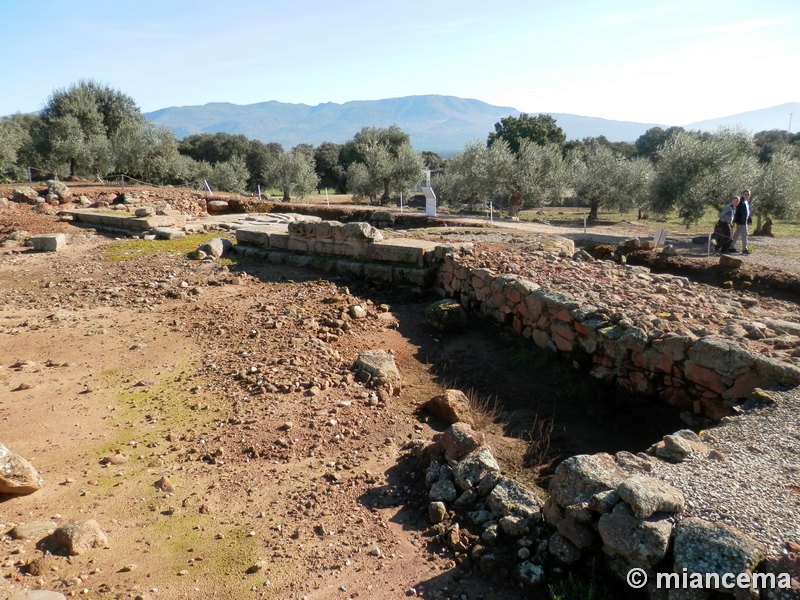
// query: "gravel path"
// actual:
[[751, 479]]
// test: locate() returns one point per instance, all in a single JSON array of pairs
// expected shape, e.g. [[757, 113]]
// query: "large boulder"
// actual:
[[451, 407], [79, 537], [216, 247], [25, 194], [704, 547], [17, 475], [510, 498], [580, 477], [60, 190], [446, 315], [648, 495], [641, 542]]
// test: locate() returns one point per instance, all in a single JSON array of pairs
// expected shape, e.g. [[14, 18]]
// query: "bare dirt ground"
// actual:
[[291, 480]]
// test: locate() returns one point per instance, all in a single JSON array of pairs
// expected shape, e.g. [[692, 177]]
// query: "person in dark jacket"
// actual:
[[742, 218], [724, 228]]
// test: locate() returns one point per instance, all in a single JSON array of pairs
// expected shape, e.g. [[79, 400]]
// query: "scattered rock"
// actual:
[[459, 440], [446, 316], [114, 459], [380, 366], [17, 475], [165, 485], [32, 531], [452, 407], [79, 537], [215, 247]]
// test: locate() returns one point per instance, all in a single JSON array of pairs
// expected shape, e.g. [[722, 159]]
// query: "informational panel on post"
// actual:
[[430, 201]]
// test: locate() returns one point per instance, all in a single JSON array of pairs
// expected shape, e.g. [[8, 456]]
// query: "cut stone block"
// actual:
[[146, 223], [165, 233], [730, 261], [401, 251], [279, 241], [378, 272], [413, 276], [298, 245], [48, 242], [257, 236]]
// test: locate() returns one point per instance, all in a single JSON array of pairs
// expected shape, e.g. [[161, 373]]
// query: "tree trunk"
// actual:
[[286, 197], [594, 205], [72, 167], [385, 198], [515, 205]]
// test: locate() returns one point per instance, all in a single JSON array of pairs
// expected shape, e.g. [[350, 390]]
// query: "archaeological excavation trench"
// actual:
[[296, 475]]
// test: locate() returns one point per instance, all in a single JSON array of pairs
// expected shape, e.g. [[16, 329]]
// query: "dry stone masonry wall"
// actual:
[[704, 374], [583, 313]]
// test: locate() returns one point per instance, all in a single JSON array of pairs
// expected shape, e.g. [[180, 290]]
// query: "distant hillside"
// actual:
[[775, 117], [439, 123]]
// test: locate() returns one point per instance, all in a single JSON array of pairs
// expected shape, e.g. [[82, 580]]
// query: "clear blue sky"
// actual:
[[655, 61]]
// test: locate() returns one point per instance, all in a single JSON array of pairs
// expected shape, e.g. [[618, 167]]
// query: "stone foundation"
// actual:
[[705, 376]]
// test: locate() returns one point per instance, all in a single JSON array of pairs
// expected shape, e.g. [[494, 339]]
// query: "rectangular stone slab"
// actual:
[[401, 251], [48, 242], [165, 233]]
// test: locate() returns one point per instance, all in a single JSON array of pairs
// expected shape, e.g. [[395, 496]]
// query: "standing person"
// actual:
[[723, 229], [742, 218]]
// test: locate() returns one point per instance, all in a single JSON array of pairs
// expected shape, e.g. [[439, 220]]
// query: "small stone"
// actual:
[[165, 485], [437, 512]]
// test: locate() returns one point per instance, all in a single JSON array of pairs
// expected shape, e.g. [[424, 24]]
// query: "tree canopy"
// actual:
[[383, 163], [81, 119], [541, 130]]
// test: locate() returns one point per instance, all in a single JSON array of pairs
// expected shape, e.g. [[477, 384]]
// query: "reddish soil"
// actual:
[[290, 480]]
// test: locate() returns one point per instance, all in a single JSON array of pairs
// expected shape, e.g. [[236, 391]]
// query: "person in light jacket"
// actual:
[[742, 218]]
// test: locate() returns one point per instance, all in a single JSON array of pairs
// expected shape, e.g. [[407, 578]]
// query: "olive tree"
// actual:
[[777, 188], [697, 172], [380, 162], [602, 178], [384, 170], [12, 137], [292, 173], [230, 175], [148, 152], [534, 175], [465, 178]]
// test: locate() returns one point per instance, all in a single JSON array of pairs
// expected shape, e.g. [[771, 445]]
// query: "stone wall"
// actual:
[[704, 375], [355, 250]]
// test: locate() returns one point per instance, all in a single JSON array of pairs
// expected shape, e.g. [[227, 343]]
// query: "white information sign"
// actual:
[[430, 201]]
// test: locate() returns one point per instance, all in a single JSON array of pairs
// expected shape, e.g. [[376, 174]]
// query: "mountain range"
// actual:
[[442, 124]]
